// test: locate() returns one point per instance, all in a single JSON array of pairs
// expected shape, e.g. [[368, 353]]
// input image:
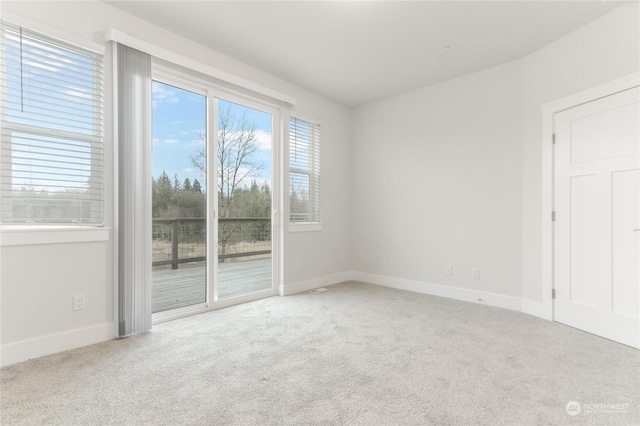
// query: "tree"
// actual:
[[186, 185], [172, 202], [237, 146], [162, 195], [176, 183], [196, 186]]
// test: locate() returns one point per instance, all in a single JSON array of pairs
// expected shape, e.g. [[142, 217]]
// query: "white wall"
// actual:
[[38, 281], [448, 174], [603, 50], [436, 180], [452, 173]]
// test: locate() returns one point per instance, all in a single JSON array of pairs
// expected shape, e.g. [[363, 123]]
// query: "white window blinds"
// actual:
[[52, 165], [304, 171]]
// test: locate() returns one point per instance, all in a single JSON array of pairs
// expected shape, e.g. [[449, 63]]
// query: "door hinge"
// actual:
[[553, 293], [553, 216], [553, 139]]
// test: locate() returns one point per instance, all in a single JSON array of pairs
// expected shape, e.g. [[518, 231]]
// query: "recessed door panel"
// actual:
[[625, 273], [596, 199], [586, 258], [615, 125]]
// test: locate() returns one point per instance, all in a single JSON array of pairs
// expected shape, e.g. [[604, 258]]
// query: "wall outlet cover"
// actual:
[[78, 302]]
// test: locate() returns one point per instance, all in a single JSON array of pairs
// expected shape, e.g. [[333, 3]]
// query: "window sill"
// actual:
[[305, 227], [31, 235]]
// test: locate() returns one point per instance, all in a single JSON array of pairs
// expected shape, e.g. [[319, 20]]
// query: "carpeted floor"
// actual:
[[356, 354]]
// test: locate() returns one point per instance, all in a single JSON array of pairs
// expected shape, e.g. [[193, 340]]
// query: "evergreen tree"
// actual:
[[187, 185], [196, 186]]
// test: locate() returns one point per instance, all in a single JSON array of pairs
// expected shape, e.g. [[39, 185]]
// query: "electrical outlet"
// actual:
[[475, 273], [78, 302], [448, 270]]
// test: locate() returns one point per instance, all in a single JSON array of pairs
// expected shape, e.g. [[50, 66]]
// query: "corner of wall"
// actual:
[[310, 284]]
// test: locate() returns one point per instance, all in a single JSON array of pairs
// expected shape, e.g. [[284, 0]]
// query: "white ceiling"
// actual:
[[356, 52]]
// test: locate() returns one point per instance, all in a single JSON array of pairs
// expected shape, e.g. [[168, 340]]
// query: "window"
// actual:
[[304, 171], [52, 164]]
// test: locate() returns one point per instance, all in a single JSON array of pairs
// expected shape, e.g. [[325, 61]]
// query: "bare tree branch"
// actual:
[[237, 148]]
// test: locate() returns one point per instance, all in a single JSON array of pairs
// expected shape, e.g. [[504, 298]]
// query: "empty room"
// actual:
[[320, 212]]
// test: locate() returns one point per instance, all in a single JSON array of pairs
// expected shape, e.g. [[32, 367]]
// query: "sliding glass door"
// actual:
[[244, 180], [213, 163], [179, 197]]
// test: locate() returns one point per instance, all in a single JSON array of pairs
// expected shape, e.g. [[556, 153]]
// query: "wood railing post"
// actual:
[[174, 244]]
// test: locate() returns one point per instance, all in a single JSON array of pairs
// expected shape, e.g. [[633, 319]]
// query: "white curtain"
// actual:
[[134, 189]]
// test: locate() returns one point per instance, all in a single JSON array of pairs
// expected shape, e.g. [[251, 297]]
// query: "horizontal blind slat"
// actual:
[[304, 167], [32, 78], [48, 105], [44, 134], [52, 164]]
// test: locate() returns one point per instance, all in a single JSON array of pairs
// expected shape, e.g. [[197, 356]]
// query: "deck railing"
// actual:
[[181, 240]]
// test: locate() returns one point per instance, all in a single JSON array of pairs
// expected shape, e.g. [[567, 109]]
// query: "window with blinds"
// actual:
[[304, 171], [52, 161]]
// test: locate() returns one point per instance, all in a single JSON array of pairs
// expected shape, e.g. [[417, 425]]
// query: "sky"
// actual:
[[179, 129]]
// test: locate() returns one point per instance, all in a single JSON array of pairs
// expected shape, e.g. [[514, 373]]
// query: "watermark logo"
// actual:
[[573, 408]]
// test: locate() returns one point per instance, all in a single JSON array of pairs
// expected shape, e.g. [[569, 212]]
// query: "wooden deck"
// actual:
[[175, 288]]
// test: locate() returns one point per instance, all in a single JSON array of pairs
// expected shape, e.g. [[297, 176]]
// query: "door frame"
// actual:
[[276, 195], [549, 111], [186, 79]]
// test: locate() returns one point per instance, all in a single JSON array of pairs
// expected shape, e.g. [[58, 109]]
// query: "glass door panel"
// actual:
[[244, 200], [179, 196]]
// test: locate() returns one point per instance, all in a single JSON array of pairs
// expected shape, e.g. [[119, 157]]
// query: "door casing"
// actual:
[[545, 309]]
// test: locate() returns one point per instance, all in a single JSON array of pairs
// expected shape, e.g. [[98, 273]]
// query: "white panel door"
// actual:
[[596, 200]]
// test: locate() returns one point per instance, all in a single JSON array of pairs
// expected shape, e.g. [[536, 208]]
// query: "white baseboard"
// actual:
[[306, 285], [536, 309], [474, 296], [24, 350]]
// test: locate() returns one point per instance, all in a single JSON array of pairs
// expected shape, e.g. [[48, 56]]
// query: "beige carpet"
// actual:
[[356, 354]]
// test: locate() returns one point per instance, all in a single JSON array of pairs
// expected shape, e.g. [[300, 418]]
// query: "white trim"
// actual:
[[549, 110], [213, 226], [24, 350], [600, 91], [184, 61], [303, 117], [547, 208], [310, 284], [315, 181], [115, 182], [53, 32], [22, 236], [481, 297]]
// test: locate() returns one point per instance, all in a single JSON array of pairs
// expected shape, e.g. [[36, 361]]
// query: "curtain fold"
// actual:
[[134, 107]]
